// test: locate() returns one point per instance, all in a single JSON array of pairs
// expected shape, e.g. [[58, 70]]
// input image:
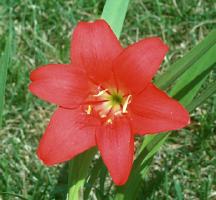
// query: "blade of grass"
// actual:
[[178, 190], [5, 61], [114, 13]]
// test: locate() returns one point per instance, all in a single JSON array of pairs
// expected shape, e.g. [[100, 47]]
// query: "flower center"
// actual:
[[116, 99], [108, 103]]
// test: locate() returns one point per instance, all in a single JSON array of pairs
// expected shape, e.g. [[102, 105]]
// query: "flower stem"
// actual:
[[78, 170]]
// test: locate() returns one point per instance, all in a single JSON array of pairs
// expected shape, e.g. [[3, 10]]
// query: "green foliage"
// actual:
[[201, 55], [203, 96]]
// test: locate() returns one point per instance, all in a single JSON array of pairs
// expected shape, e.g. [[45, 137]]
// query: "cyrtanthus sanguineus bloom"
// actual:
[[105, 96]]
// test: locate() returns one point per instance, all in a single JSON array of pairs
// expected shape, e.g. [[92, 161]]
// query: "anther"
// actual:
[[109, 121], [89, 110]]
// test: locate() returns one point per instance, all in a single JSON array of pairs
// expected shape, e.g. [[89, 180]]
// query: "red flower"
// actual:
[[104, 97]]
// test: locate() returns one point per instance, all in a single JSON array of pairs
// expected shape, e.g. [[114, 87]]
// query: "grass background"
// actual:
[[185, 168]]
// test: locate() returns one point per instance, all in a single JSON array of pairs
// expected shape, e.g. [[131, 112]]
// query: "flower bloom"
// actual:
[[104, 97]]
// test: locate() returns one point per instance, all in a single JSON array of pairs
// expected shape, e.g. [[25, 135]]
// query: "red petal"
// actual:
[[116, 145], [138, 63], [94, 46], [154, 111], [69, 133], [64, 85]]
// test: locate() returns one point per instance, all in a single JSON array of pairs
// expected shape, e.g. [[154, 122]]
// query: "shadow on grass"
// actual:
[[152, 184], [60, 190]]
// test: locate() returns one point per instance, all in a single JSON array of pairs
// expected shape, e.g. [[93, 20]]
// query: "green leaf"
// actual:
[[189, 90], [202, 97], [114, 13], [5, 61], [78, 170], [178, 190], [93, 176], [190, 82]]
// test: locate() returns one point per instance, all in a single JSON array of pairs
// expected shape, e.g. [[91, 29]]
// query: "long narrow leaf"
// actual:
[[4, 65], [178, 190], [78, 170], [199, 70], [93, 176], [203, 96], [114, 13], [189, 90]]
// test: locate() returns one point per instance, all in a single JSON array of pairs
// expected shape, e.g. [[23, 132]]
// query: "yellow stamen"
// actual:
[[89, 110]]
